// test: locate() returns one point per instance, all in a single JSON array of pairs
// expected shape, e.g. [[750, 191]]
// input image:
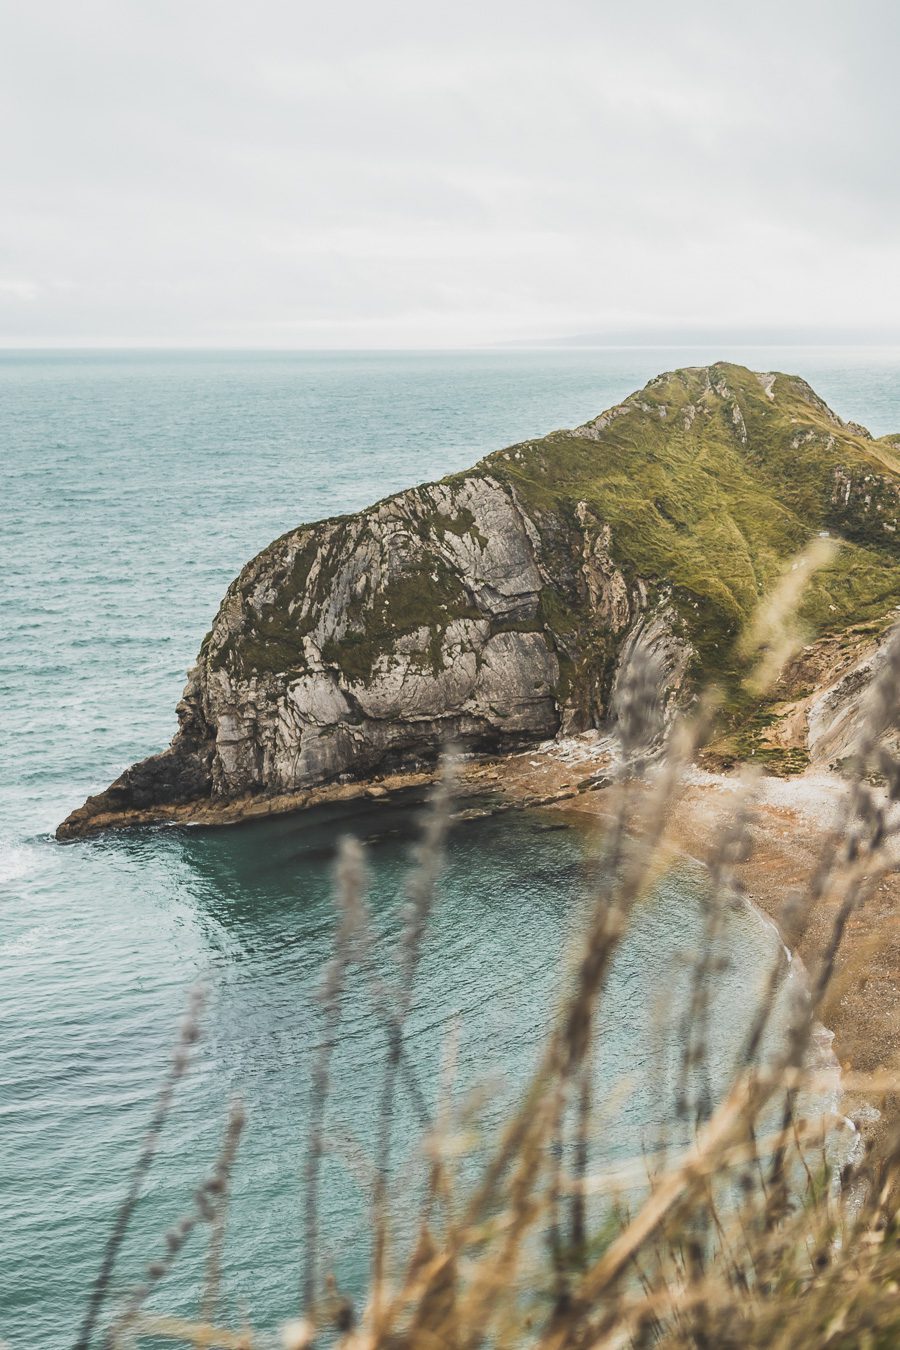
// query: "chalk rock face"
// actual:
[[851, 704], [650, 675], [365, 642]]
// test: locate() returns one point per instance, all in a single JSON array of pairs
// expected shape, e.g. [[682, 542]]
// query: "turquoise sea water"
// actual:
[[134, 486]]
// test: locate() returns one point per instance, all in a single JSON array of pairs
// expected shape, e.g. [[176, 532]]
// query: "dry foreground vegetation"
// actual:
[[742, 1232]]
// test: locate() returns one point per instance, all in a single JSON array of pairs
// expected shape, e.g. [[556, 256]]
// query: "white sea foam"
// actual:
[[25, 943], [16, 860]]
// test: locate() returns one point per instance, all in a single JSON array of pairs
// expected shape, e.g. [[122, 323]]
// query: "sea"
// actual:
[[134, 485]]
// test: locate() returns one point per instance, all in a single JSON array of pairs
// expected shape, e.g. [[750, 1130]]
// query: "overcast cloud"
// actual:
[[282, 174]]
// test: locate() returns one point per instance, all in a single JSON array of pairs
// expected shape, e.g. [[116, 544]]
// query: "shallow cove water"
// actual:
[[250, 908], [135, 486]]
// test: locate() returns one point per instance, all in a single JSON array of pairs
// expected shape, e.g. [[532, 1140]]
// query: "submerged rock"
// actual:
[[505, 605]]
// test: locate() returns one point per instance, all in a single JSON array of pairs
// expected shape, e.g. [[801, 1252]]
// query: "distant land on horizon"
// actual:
[[702, 335]]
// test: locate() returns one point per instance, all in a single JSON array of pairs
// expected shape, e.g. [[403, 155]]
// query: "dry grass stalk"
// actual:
[[188, 1034]]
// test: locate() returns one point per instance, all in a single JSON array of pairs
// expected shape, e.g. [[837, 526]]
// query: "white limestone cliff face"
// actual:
[[653, 664], [406, 630], [363, 643], [836, 713]]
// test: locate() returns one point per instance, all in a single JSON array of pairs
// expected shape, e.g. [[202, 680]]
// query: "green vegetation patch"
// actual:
[[425, 595], [712, 493], [461, 524]]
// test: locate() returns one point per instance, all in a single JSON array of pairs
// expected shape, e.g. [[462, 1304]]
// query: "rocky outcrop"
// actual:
[[865, 505], [508, 604], [366, 642]]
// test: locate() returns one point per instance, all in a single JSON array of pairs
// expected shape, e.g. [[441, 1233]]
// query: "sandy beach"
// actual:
[[793, 820]]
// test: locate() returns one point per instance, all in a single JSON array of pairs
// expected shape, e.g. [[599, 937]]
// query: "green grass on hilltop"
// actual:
[[711, 485]]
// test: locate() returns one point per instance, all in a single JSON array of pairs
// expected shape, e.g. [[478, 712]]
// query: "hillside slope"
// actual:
[[504, 605]]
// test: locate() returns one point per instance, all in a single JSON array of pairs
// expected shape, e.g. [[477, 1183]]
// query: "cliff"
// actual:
[[502, 606]]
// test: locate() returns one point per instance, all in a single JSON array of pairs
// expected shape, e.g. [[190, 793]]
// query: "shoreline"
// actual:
[[486, 775], [793, 819]]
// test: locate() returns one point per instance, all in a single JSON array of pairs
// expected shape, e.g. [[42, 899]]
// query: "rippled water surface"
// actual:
[[134, 487]]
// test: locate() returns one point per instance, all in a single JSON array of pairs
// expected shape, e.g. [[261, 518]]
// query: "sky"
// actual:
[[377, 174]]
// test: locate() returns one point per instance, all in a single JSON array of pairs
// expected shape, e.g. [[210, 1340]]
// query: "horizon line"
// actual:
[[516, 347]]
